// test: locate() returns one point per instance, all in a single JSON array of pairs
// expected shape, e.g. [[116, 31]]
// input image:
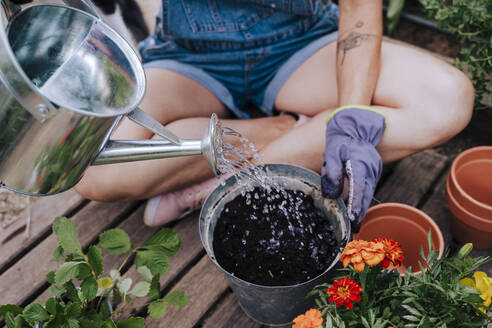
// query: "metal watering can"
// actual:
[[66, 80]]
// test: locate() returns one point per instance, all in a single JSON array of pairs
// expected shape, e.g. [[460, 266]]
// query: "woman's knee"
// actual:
[[451, 108]]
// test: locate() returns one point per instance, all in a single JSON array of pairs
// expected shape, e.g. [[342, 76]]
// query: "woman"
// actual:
[[306, 57]]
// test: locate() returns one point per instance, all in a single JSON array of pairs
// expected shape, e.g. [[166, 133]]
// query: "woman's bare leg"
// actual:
[[426, 102], [185, 107]]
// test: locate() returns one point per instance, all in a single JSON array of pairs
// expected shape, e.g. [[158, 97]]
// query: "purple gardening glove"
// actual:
[[352, 135]]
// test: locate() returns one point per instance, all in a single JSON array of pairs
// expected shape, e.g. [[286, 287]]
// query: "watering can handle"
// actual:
[[142, 118], [84, 5], [10, 8]]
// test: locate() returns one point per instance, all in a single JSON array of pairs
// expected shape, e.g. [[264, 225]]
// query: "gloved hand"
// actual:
[[352, 134]]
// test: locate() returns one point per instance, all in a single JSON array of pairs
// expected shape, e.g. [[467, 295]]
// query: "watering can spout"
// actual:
[[120, 151]]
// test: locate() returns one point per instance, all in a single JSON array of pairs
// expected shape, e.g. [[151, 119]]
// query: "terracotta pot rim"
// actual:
[[452, 175], [477, 222], [432, 223]]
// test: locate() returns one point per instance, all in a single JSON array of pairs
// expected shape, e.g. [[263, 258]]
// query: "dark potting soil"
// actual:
[[271, 240]]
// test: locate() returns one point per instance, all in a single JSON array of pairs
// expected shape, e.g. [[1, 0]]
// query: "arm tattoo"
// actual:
[[353, 40]]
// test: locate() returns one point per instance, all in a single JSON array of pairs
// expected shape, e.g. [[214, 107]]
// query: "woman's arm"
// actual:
[[358, 50]]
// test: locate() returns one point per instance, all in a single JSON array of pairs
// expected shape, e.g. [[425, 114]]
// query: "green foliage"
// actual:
[[176, 298], [67, 235], [433, 298], [86, 306], [131, 323], [94, 256], [471, 20], [115, 241], [393, 14], [154, 259], [14, 309]]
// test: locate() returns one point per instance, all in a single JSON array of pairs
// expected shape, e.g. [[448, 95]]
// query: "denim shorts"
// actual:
[[242, 52]]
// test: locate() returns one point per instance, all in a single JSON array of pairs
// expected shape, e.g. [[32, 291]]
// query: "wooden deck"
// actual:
[[24, 261]]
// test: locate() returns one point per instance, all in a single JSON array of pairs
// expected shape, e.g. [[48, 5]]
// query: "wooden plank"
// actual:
[[27, 276], [203, 284], [412, 177], [437, 208], [230, 315], [191, 247], [13, 240]]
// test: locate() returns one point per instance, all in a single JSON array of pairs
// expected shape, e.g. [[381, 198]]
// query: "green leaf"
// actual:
[[84, 271], [73, 310], [58, 253], [105, 282], [9, 320], [20, 322], [71, 292], [95, 259], [89, 288], [157, 261], [155, 288], [50, 277], [35, 313], [166, 238], [176, 298], [71, 323], [12, 308], [67, 235], [125, 285], [145, 273], [115, 241], [109, 323], [66, 272], [55, 291], [140, 289], [50, 305], [156, 309], [135, 322], [105, 311]]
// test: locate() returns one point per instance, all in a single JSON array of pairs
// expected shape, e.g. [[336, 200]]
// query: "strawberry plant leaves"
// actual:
[[58, 253], [35, 313], [115, 241], [156, 260], [135, 322], [140, 289], [167, 239], [67, 235], [156, 309], [12, 308], [66, 272], [89, 288], [176, 298], [94, 256]]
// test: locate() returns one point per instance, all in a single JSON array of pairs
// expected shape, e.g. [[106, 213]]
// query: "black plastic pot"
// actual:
[[275, 305]]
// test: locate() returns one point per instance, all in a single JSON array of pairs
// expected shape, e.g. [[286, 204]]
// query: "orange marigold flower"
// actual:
[[311, 319], [344, 291], [361, 252], [393, 253]]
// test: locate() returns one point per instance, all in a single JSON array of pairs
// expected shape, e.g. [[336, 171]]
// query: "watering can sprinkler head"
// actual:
[[209, 144]]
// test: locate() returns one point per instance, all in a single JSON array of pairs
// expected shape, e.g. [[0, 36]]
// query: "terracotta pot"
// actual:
[[469, 197], [405, 224]]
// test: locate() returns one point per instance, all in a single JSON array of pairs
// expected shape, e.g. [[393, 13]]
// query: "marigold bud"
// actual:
[[465, 250]]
